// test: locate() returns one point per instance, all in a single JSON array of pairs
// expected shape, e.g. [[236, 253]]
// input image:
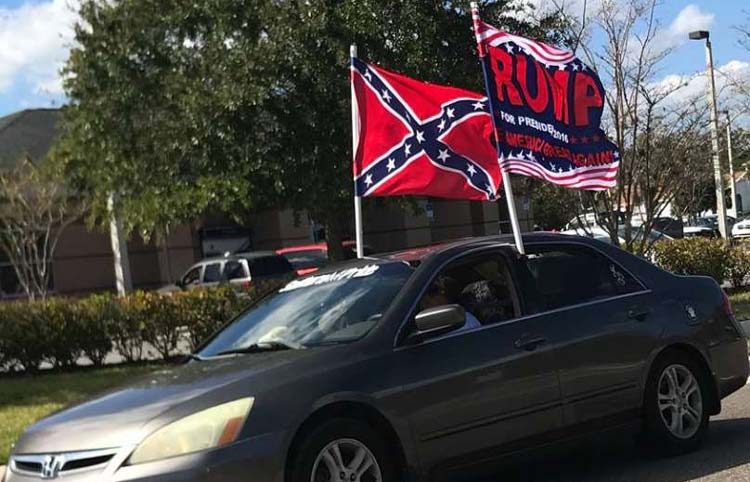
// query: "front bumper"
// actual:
[[257, 459]]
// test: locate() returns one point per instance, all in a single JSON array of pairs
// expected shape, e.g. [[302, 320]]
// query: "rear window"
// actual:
[[314, 258], [269, 266], [212, 273], [234, 270], [559, 276]]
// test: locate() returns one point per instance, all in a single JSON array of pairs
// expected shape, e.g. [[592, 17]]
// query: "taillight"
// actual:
[[726, 307], [247, 284]]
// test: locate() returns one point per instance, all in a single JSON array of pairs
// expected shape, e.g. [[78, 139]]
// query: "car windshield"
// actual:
[[334, 307]]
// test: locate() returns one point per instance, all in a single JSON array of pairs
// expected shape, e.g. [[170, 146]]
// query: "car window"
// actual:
[[557, 276], [332, 307], [269, 266], [481, 284], [212, 273], [234, 270], [312, 258], [193, 276]]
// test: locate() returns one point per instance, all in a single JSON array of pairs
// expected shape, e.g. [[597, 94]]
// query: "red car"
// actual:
[[308, 258]]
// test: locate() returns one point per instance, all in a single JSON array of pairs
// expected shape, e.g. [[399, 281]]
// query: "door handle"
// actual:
[[529, 343], [638, 313]]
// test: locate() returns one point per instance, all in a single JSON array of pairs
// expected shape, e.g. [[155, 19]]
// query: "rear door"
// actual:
[[598, 318], [212, 273], [475, 392], [235, 271]]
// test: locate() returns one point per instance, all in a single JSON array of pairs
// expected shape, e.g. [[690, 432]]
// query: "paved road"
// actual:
[[724, 457]]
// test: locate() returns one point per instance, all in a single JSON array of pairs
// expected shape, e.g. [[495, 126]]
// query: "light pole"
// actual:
[[731, 166], [718, 180]]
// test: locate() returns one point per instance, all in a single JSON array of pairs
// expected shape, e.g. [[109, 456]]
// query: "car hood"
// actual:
[[125, 415]]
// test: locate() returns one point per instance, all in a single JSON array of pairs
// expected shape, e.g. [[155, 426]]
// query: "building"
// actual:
[[84, 263]]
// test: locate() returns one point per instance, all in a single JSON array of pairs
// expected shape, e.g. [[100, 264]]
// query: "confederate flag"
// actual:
[[420, 138]]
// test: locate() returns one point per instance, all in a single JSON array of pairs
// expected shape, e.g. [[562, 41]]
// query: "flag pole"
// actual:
[[512, 214], [359, 233]]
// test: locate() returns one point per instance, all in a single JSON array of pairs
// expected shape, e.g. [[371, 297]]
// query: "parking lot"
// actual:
[[724, 457]]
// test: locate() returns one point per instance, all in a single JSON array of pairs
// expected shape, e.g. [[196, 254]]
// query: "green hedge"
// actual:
[[60, 331], [703, 256]]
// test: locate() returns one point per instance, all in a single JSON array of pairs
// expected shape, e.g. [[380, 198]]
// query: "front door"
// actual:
[[491, 385]]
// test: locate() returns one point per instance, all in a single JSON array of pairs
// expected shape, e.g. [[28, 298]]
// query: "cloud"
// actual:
[[34, 42], [691, 87], [689, 19]]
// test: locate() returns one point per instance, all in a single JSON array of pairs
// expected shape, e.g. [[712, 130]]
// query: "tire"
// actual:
[[310, 464], [676, 414]]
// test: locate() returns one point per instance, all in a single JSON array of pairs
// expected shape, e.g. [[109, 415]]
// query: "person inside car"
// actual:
[[446, 291]]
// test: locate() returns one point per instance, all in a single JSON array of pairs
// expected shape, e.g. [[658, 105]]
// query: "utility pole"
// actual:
[[731, 165], [721, 210]]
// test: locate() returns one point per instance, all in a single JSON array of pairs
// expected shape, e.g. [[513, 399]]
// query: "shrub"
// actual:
[[61, 330], [97, 314], [738, 265], [694, 256]]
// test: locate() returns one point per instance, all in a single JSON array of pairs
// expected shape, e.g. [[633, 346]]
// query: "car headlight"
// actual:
[[211, 428]]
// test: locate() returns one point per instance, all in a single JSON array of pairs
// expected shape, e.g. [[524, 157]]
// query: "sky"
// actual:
[[35, 36]]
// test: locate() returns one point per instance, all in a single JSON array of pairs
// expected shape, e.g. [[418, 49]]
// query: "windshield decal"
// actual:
[[345, 274]]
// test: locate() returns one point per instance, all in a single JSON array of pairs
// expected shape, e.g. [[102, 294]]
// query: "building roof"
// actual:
[[28, 132]]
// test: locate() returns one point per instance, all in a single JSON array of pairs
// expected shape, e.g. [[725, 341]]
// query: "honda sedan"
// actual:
[[413, 365]]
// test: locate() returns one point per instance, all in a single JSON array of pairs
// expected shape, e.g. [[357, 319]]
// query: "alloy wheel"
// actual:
[[346, 460], [680, 401]]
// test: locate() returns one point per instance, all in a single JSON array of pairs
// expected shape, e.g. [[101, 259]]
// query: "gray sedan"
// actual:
[[414, 366]]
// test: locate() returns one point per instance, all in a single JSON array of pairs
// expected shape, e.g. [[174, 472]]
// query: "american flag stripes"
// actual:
[[546, 107]]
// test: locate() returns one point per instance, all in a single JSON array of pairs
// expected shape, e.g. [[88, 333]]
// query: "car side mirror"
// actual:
[[440, 319]]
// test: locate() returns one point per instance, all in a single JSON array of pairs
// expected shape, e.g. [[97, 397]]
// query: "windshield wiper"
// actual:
[[275, 345], [193, 357]]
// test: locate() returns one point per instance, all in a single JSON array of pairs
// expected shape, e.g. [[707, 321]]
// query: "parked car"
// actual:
[[700, 231], [741, 229], [241, 269], [309, 258], [710, 221], [602, 235], [416, 365]]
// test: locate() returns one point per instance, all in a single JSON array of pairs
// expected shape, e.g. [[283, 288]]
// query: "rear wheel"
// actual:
[[343, 450], [676, 404]]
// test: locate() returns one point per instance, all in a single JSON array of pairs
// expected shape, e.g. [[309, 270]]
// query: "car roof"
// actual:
[[420, 253]]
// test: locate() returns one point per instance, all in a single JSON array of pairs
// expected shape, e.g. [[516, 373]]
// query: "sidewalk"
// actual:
[[2, 471]]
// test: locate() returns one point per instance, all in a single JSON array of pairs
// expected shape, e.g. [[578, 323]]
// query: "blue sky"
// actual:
[[689, 57], [35, 35]]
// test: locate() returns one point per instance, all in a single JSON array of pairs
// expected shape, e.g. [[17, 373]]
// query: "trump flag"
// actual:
[[547, 107], [420, 138]]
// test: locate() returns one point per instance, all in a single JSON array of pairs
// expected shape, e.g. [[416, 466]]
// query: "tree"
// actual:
[[35, 209], [662, 136], [180, 107]]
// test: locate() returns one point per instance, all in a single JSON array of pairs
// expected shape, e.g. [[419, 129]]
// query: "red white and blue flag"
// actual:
[[547, 106], [420, 138]]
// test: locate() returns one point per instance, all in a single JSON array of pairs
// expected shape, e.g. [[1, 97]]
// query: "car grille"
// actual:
[[53, 465]]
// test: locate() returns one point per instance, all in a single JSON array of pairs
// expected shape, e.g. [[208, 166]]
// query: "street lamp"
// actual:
[[718, 180], [731, 166]]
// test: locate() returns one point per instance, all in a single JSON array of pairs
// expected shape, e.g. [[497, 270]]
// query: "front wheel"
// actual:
[[675, 404], [343, 450]]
